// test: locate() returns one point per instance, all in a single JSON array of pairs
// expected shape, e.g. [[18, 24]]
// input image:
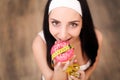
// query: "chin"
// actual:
[[72, 41]]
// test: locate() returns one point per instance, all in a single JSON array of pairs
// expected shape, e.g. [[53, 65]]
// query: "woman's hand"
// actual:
[[81, 76], [59, 71]]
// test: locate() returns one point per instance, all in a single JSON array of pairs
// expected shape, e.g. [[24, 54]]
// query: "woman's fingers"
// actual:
[[58, 72], [57, 66], [54, 62], [66, 65], [73, 59], [74, 78], [80, 77], [69, 62], [82, 74]]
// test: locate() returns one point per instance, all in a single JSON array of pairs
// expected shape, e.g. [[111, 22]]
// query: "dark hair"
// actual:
[[87, 36]]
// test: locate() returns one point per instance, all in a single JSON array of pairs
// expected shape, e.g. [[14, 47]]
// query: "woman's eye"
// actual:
[[74, 24], [55, 23]]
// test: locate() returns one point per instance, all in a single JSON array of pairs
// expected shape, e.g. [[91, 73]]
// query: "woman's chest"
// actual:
[[81, 57]]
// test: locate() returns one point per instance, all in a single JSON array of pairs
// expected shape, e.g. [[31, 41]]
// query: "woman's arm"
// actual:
[[39, 50], [92, 68]]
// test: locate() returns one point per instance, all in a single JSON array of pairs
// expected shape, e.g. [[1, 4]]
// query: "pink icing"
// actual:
[[63, 57]]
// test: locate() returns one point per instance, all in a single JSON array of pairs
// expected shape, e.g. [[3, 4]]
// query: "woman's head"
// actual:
[[69, 24], [63, 23], [65, 26], [53, 8]]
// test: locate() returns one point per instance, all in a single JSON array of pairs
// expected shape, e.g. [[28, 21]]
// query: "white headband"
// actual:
[[73, 4]]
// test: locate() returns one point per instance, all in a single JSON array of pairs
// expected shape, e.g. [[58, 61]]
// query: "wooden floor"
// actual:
[[20, 21]]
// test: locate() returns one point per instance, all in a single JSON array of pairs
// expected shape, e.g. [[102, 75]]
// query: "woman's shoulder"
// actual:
[[39, 51], [99, 36], [38, 41], [41, 34]]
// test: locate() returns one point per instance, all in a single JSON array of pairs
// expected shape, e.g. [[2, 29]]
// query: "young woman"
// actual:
[[68, 20]]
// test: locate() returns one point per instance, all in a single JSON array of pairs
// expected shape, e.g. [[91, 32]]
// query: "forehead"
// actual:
[[64, 13]]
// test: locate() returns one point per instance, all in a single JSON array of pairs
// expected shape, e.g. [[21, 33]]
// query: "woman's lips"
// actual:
[[58, 39]]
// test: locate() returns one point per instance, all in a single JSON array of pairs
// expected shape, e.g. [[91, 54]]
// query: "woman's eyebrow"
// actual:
[[69, 21], [74, 21], [54, 19]]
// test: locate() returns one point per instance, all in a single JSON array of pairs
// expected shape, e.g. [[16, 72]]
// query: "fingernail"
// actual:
[[68, 62], [59, 63], [75, 60], [71, 76]]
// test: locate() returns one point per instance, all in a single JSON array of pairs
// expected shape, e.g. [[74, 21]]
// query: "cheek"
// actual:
[[76, 32], [52, 30]]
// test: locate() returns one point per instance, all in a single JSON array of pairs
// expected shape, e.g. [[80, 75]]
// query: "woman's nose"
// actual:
[[63, 34]]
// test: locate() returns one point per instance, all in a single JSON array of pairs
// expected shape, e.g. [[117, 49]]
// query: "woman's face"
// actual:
[[65, 24]]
